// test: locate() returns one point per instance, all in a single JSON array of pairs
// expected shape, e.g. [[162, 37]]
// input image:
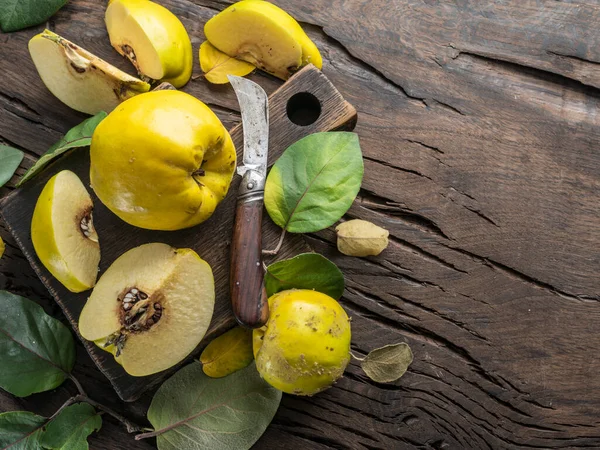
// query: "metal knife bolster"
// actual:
[[252, 186]]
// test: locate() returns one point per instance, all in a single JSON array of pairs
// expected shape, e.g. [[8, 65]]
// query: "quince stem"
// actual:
[[276, 249]]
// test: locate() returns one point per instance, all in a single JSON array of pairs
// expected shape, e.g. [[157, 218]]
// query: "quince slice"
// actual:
[[63, 234], [264, 35], [79, 79], [152, 38], [151, 308]]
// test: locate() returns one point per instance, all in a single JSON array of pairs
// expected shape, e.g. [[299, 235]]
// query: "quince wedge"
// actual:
[[263, 34], [162, 161], [152, 38], [63, 234], [151, 307], [79, 79]]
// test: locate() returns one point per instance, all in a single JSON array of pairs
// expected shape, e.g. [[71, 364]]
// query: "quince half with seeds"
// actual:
[[63, 234], [263, 34], [162, 161], [152, 38], [79, 79], [151, 307]]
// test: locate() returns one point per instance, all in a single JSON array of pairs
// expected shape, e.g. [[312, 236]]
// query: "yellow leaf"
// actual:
[[216, 65], [1, 247], [230, 352]]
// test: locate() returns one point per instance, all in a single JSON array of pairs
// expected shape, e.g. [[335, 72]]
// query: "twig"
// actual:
[[139, 437], [276, 250], [131, 427], [77, 384], [83, 397], [69, 402]]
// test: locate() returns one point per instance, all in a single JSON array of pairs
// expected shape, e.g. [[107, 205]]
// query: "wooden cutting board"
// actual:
[[305, 104]]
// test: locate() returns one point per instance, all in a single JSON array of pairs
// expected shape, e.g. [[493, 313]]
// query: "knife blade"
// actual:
[[246, 279]]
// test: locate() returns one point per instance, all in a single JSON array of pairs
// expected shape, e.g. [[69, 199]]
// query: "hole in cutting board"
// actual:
[[303, 108]]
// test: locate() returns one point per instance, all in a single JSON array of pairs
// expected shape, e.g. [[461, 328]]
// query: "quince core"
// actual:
[[151, 307], [63, 234], [162, 161]]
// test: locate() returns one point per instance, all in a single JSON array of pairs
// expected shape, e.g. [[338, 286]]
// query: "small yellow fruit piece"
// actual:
[[264, 35], [216, 65], [151, 307], [361, 238], [153, 39], [305, 346], [162, 161], [2, 247], [62, 231], [230, 352], [79, 79]]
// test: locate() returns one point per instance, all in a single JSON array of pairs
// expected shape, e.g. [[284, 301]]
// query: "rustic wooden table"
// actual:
[[479, 127]]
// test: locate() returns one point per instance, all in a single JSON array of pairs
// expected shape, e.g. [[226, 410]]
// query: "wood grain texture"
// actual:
[[211, 240], [246, 277], [479, 127]]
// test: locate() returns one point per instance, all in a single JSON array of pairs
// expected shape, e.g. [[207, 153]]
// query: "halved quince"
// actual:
[[79, 79], [153, 39], [63, 234], [264, 35], [151, 308], [162, 161]]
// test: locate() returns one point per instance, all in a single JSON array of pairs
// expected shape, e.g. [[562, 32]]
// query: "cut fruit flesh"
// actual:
[[63, 233], [260, 33], [171, 293], [217, 65], [152, 38], [79, 79]]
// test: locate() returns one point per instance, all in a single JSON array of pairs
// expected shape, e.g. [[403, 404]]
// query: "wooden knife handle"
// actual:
[[246, 281]]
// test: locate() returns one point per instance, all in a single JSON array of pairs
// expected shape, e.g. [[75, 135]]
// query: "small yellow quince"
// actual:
[[153, 39], [162, 161], [263, 34], [2, 247], [305, 346]]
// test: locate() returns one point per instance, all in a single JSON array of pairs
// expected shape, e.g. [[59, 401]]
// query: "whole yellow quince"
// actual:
[[305, 346], [162, 161]]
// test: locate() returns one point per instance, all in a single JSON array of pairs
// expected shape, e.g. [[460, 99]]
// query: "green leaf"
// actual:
[[192, 411], [37, 351], [389, 363], [70, 429], [228, 353], [78, 136], [10, 158], [20, 430], [314, 182], [18, 14], [305, 271]]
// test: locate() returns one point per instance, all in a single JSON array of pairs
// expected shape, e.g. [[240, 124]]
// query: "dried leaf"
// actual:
[[230, 352], [314, 182], [192, 411], [389, 363], [361, 238], [216, 65], [305, 271]]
